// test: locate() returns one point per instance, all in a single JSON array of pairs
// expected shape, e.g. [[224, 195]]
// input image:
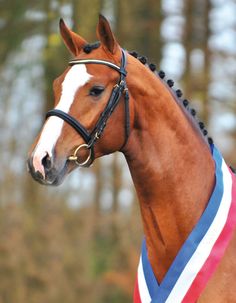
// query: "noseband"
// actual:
[[91, 137]]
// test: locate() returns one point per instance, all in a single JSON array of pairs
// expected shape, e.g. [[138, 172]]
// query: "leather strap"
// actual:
[[72, 121]]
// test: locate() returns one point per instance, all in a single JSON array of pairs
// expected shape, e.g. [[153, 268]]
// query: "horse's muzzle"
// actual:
[[45, 171]]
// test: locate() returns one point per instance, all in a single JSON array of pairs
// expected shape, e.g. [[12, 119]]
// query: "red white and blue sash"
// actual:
[[202, 251]]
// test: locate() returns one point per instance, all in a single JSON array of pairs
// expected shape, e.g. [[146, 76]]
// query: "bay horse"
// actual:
[[108, 100]]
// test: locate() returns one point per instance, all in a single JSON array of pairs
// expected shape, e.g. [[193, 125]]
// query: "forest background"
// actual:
[[80, 242]]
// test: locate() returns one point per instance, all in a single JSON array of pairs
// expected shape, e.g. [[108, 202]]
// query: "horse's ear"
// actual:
[[74, 42], [106, 36]]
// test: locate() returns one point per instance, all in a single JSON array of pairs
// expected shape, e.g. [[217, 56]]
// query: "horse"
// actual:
[[109, 100]]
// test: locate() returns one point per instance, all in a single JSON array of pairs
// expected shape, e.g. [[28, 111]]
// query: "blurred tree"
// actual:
[[188, 45], [138, 27], [53, 50], [197, 77], [10, 37], [206, 74], [97, 191], [85, 23]]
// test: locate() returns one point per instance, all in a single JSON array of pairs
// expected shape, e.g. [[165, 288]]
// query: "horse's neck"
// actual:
[[172, 169]]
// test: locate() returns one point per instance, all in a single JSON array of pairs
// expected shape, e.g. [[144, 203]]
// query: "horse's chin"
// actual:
[[56, 182]]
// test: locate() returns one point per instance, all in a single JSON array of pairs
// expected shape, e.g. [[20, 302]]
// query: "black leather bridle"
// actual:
[[91, 137]]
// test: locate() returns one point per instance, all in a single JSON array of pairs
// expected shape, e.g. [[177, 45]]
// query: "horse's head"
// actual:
[[86, 94]]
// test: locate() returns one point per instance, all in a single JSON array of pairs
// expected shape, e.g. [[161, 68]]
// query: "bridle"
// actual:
[[92, 137]]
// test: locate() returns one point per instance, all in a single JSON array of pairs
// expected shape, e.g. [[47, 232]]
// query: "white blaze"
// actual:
[[76, 77]]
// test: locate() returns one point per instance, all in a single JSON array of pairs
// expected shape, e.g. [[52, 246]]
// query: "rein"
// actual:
[[92, 137]]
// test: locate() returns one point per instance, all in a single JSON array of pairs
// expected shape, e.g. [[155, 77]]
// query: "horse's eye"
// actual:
[[96, 91]]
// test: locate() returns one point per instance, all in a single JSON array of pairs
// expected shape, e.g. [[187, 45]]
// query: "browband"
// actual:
[[96, 61]]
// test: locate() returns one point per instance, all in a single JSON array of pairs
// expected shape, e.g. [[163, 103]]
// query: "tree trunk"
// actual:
[[188, 45], [48, 103], [207, 59]]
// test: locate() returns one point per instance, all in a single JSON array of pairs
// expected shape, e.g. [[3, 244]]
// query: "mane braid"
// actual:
[[178, 93], [88, 48]]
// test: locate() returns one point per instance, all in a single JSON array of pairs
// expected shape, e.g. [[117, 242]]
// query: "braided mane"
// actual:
[[88, 48], [178, 93]]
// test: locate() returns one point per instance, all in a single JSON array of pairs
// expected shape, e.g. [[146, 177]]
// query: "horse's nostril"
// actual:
[[47, 162]]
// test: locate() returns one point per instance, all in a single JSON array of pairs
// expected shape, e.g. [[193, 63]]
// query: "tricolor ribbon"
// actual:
[[202, 251]]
